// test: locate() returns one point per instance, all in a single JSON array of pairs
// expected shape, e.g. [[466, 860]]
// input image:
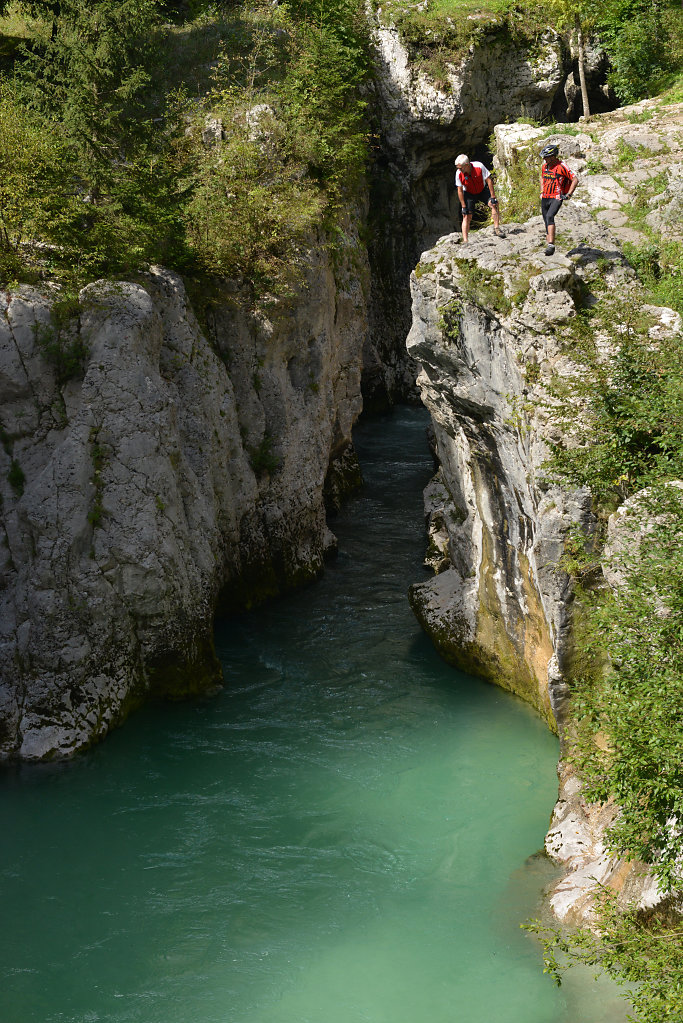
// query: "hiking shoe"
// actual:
[[499, 232], [549, 249]]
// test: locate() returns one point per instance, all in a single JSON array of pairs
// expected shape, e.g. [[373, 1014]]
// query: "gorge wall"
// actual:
[[491, 331], [183, 467], [154, 466], [422, 125]]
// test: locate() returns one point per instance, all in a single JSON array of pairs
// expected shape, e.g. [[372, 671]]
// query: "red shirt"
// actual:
[[555, 181], [474, 181]]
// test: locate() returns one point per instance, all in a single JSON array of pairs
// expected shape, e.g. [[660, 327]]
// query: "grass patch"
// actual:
[[595, 165], [659, 266], [626, 154], [484, 288], [639, 116]]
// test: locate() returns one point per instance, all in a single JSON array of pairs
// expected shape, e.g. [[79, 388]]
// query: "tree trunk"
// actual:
[[582, 65]]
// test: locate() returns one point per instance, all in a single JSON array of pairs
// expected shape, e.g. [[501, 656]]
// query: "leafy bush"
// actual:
[[641, 950], [631, 433], [627, 685], [108, 166], [35, 165], [638, 37], [659, 264], [290, 144]]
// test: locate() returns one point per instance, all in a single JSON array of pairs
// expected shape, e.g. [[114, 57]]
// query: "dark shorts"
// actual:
[[472, 200], [549, 208]]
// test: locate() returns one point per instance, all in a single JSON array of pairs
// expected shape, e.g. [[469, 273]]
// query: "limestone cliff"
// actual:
[[487, 335], [423, 125], [491, 329], [182, 465]]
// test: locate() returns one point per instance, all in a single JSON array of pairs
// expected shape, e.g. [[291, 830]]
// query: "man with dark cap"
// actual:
[[558, 182]]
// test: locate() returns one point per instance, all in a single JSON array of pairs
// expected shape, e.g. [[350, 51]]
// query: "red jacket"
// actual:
[[555, 181], [474, 182]]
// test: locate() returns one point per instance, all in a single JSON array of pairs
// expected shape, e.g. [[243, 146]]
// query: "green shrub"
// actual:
[[641, 950], [61, 343], [659, 265], [641, 38], [262, 458], [520, 191]]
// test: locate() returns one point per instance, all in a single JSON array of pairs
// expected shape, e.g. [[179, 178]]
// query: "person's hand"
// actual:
[[463, 210], [493, 201], [564, 197]]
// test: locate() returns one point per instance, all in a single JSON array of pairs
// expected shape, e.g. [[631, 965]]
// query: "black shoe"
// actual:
[[549, 249], [499, 232]]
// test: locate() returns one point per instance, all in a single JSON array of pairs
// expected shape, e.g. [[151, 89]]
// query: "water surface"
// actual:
[[347, 834]]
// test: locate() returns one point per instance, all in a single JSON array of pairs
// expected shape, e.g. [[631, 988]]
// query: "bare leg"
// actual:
[[550, 231], [466, 221]]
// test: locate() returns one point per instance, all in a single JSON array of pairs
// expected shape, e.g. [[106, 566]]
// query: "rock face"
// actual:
[[172, 471], [488, 332], [422, 129], [641, 145], [491, 327]]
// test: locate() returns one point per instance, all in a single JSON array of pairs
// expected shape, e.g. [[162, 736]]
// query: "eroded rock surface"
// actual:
[[489, 331], [423, 126], [172, 471], [492, 326]]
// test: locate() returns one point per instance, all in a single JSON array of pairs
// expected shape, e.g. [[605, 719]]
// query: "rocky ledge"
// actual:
[[492, 328]]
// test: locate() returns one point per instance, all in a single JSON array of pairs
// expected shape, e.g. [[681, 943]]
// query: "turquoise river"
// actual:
[[348, 833]]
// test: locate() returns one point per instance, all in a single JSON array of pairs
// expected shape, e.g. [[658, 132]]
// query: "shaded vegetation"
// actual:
[[627, 686], [224, 159]]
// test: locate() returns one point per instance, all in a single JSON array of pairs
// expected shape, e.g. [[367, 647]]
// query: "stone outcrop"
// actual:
[[489, 331], [491, 328], [182, 465], [630, 156], [422, 127]]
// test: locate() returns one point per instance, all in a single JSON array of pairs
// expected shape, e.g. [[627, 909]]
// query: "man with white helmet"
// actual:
[[475, 184]]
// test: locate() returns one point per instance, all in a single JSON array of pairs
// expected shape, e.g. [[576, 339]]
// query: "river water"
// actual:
[[347, 834]]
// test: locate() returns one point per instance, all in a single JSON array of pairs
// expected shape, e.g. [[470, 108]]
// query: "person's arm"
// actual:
[[492, 191], [573, 186], [461, 197]]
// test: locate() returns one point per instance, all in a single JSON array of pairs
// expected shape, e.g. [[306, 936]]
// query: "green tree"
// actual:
[[86, 75], [32, 167], [634, 35]]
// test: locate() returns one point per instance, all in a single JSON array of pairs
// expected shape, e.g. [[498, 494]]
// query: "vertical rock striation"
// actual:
[[182, 466], [491, 328]]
